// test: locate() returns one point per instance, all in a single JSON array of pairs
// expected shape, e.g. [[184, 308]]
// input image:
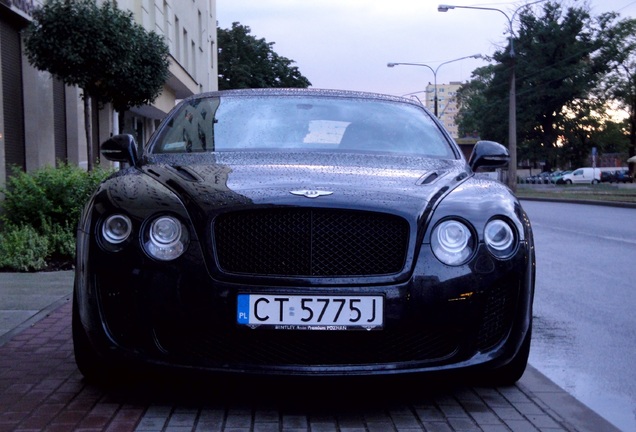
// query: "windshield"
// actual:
[[301, 123]]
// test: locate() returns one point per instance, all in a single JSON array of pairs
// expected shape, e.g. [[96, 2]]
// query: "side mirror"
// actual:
[[120, 148], [488, 154]]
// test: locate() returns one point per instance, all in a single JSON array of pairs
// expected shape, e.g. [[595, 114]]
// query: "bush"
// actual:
[[23, 249], [49, 195], [47, 202], [61, 244]]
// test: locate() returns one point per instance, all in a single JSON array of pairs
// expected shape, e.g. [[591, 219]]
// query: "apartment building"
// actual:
[[42, 120], [447, 106]]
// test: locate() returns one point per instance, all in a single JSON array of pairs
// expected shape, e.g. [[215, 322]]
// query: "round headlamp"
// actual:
[[166, 238], [452, 242], [500, 238], [116, 229]]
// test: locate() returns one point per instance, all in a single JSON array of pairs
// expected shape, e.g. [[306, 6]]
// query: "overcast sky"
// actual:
[[346, 44]]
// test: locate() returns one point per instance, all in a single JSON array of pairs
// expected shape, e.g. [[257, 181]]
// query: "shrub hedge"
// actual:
[[39, 215]]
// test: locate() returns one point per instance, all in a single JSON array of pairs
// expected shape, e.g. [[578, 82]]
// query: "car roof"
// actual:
[[306, 92]]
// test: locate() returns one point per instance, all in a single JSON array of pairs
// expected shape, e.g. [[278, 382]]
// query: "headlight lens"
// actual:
[[116, 229], [452, 242], [166, 238], [500, 238]]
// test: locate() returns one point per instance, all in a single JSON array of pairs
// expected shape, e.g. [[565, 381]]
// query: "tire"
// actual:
[[509, 374], [568, 181], [89, 363]]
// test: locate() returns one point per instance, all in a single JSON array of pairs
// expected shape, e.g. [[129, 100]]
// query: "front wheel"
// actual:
[[568, 182], [96, 370], [88, 362], [511, 373]]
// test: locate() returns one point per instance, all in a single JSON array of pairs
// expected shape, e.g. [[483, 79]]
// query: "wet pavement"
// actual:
[[42, 390]]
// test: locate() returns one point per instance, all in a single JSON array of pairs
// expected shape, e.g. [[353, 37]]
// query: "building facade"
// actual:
[[42, 120], [447, 106]]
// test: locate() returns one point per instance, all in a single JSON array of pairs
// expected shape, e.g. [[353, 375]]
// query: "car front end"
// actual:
[[347, 264]]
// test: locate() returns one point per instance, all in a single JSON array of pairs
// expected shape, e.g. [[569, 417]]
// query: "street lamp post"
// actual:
[[512, 104], [392, 64]]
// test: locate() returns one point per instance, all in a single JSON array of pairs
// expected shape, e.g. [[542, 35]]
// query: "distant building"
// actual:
[[447, 106], [42, 120]]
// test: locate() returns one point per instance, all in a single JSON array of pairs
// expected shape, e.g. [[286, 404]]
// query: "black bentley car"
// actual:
[[303, 232]]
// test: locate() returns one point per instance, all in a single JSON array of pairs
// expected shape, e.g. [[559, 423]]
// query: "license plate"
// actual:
[[298, 312]]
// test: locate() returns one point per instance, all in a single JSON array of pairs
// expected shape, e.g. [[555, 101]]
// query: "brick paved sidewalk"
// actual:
[[41, 390]]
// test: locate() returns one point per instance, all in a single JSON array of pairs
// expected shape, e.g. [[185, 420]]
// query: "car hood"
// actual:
[[212, 182]]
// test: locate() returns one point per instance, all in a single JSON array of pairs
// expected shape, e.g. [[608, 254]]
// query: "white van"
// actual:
[[583, 175]]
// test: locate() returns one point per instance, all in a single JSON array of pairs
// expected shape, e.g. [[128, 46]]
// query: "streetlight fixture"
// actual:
[[512, 105], [392, 64]]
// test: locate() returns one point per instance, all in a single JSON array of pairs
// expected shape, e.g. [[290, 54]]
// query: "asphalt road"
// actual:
[[585, 325]]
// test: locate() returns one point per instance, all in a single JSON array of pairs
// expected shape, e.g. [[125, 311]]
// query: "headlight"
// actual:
[[500, 238], [452, 242], [116, 229], [165, 238]]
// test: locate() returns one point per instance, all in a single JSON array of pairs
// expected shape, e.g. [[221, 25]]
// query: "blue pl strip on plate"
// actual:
[[243, 309]]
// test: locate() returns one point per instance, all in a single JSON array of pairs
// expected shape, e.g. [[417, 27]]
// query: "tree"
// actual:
[[620, 85], [99, 49], [478, 113], [561, 57], [247, 62]]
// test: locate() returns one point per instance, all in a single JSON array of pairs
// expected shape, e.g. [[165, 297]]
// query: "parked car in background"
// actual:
[[608, 176], [544, 177], [557, 177], [623, 176], [615, 175], [585, 175], [303, 232], [541, 178]]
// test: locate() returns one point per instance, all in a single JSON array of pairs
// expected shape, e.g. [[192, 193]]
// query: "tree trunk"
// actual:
[[89, 132]]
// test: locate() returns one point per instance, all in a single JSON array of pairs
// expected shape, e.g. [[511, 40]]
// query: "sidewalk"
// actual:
[[26, 297], [41, 389]]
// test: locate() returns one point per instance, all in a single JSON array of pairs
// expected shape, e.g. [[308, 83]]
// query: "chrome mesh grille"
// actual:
[[310, 242]]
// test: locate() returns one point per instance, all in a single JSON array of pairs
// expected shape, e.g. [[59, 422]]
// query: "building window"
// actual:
[[177, 39], [200, 28], [166, 19], [193, 48], [212, 54], [185, 59], [152, 15]]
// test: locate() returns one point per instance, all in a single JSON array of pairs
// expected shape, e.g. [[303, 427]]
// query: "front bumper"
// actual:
[[136, 311]]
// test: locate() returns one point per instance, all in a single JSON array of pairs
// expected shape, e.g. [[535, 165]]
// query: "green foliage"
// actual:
[[45, 204], [49, 195], [561, 57], [61, 239], [22, 248], [64, 39], [620, 85], [476, 110], [138, 73], [247, 62], [100, 49]]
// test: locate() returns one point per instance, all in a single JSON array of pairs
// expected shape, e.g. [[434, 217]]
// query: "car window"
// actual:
[[303, 123]]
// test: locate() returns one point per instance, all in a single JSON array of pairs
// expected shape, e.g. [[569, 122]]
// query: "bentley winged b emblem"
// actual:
[[310, 193]]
